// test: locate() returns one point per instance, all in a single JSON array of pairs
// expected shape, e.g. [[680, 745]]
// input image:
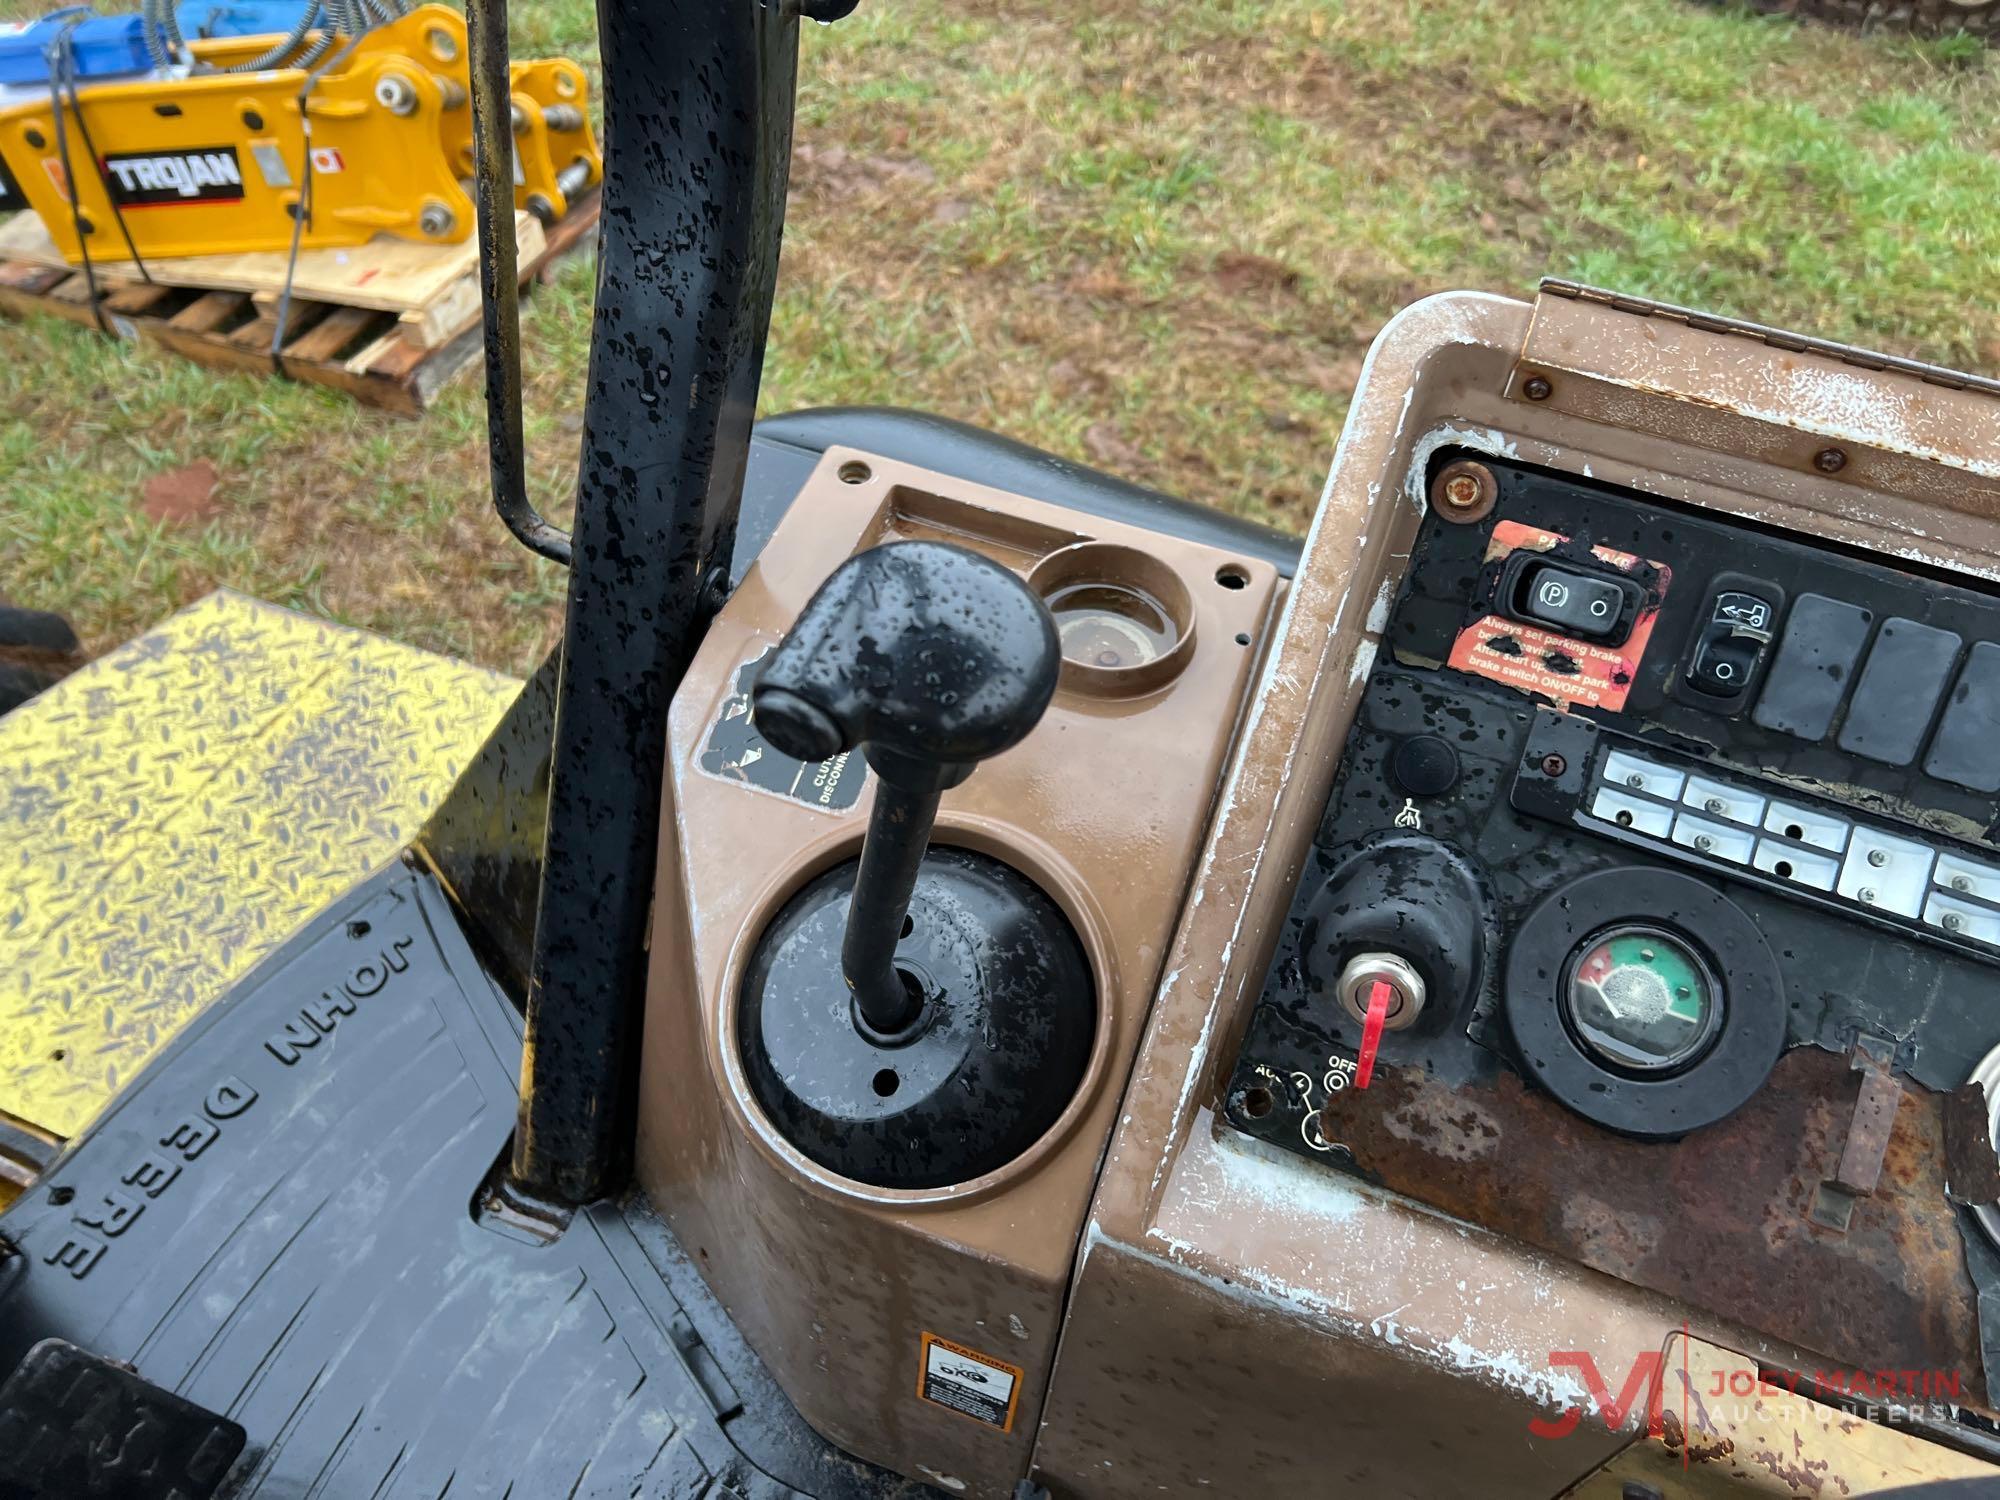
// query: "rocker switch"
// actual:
[[1735, 634], [1575, 603]]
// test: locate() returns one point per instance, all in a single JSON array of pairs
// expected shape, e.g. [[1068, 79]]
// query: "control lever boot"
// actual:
[[921, 1016], [931, 658]]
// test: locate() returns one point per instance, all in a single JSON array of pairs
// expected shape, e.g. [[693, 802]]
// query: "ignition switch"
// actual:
[[1384, 992], [1396, 938]]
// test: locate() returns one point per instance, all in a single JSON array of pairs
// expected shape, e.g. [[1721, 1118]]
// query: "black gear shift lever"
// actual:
[[923, 1015], [931, 658]]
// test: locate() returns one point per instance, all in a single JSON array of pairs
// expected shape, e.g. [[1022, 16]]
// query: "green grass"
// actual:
[[1157, 238]]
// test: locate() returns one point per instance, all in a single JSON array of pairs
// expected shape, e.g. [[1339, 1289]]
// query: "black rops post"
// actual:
[[697, 136]]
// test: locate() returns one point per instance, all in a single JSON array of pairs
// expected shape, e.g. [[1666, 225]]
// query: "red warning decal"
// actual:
[[1559, 667]]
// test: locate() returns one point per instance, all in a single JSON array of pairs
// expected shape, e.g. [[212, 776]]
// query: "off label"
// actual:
[[973, 1384]]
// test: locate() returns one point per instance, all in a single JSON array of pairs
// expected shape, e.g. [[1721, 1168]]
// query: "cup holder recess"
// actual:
[[1125, 618]]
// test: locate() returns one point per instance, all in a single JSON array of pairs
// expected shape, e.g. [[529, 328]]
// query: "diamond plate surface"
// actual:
[[173, 811]]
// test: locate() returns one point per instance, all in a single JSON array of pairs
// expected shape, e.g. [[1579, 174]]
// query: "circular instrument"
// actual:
[[1640, 1000], [1645, 1000]]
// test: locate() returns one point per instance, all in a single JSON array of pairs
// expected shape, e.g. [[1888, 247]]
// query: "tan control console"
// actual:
[[1264, 1305], [916, 1323]]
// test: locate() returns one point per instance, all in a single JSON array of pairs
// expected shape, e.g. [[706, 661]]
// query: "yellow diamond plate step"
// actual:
[[171, 812]]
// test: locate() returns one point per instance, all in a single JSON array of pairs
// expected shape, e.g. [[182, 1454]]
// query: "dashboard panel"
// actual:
[[1653, 918]]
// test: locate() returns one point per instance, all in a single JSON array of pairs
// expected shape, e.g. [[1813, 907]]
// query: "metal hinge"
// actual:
[[1776, 338]]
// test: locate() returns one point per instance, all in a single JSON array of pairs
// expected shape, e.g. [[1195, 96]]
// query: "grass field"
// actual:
[[1154, 237]]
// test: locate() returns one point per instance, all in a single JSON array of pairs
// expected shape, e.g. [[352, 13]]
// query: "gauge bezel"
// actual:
[[1746, 1045]]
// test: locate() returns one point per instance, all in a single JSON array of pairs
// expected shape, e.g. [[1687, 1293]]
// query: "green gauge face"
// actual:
[[1642, 1001]]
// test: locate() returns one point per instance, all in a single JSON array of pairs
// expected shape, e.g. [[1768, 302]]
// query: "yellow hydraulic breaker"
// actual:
[[550, 105], [221, 163], [555, 151]]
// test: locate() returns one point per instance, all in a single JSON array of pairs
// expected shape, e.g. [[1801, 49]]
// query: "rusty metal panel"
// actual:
[[171, 812], [1338, 1271], [1891, 1290], [1876, 447], [1808, 387]]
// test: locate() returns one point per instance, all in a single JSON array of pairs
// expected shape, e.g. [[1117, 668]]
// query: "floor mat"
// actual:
[[276, 1222]]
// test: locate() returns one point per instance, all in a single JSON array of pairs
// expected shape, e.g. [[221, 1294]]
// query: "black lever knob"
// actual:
[[931, 659]]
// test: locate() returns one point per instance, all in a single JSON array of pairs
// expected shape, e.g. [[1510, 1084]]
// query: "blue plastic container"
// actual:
[[115, 46]]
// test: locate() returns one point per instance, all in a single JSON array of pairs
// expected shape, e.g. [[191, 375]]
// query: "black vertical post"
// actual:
[[698, 118]]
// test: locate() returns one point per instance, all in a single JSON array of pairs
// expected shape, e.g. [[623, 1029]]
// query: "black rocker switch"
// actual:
[[1575, 603], [1738, 620], [931, 658]]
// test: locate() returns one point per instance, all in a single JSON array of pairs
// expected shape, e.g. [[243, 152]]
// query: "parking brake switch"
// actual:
[[1574, 602]]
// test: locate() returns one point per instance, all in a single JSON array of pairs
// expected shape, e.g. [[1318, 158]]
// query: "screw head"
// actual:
[[1635, 780], [435, 220], [1464, 491], [1537, 388], [1714, 805], [1830, 460], [1703, 842], [1878, 857], [1554, 765], [1961, 882], [1953, 921], [1866, 895]]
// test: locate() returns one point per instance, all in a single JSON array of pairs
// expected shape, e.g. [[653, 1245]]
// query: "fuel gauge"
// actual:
[[1640, 1000]]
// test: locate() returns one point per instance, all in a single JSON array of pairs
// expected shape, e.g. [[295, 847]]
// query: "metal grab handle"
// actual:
[[499, 278]]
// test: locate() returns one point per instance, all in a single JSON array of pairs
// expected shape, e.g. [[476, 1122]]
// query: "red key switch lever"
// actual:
[[1381, 998]]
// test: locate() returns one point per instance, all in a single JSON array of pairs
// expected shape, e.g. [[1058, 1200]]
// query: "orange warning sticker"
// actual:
[[970, 1383], [1558, 667]]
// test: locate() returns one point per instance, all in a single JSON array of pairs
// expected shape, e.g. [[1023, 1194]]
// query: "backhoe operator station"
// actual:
[[964, 976]]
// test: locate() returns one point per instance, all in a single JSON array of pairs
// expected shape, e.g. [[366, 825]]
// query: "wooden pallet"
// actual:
[[390, 323]]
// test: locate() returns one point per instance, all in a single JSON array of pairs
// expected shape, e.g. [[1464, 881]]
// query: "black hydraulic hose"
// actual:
[[149, 28], [284, 46], [500, 280], [163, 34], [59, 58], [96, 161]]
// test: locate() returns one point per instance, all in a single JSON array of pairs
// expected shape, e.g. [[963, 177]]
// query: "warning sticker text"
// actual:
[[973, 1384]]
